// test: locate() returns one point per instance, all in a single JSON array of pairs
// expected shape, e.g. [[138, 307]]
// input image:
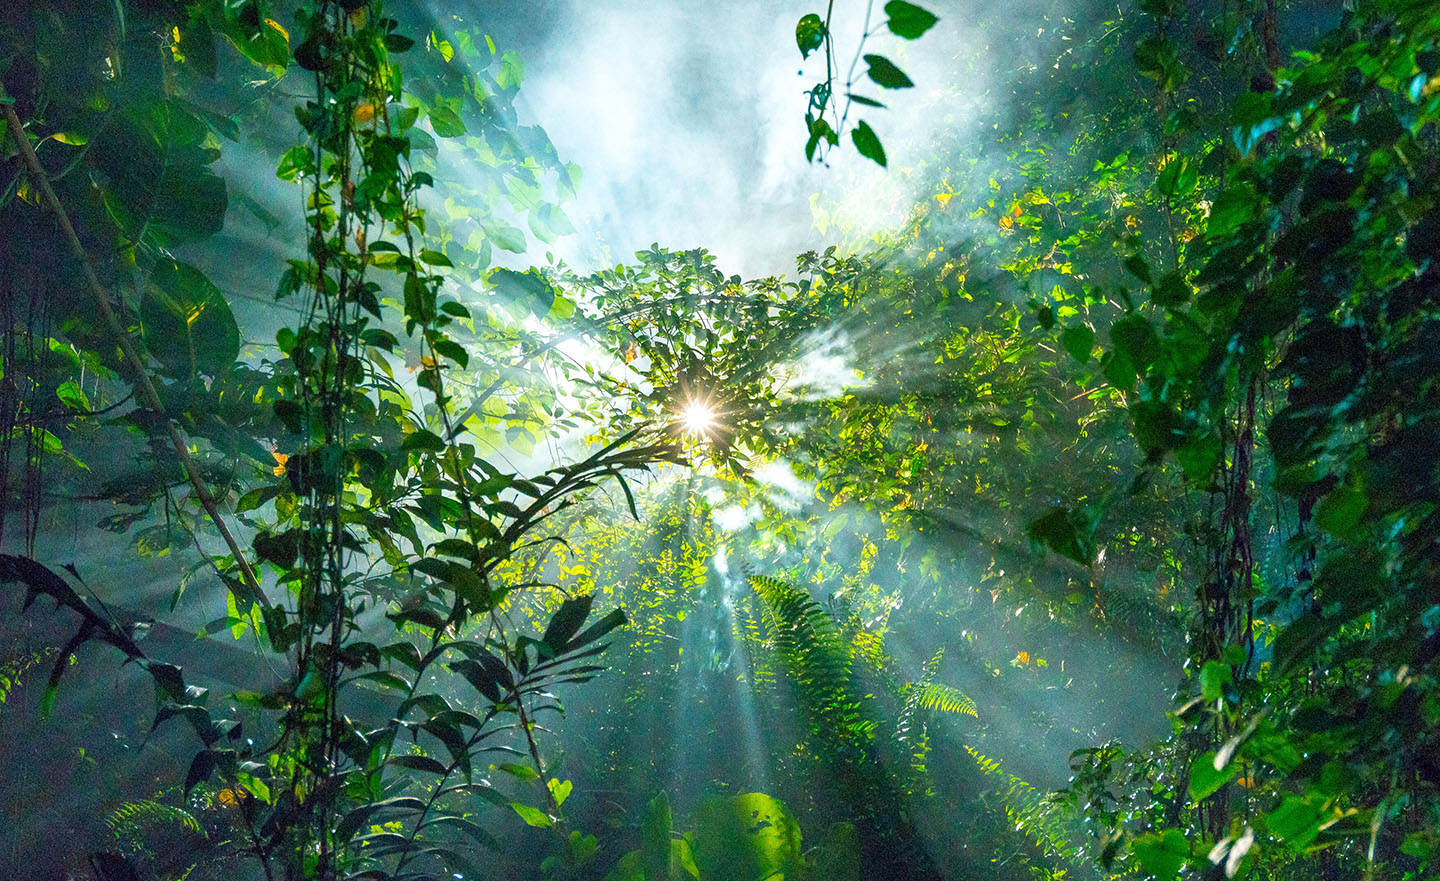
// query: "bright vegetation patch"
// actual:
[[1110, 550]]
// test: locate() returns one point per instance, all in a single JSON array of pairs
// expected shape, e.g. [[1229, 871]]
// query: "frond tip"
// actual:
[[944, 699]]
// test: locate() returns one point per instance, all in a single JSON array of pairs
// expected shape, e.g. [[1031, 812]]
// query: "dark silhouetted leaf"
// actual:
[[908, 20], [884, 72], [867, 143]]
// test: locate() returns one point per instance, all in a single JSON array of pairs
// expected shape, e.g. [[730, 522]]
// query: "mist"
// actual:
[[687, 121]]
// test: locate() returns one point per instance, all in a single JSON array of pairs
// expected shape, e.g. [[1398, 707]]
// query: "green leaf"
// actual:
[[506, 237], [512, 70], [750, 836], [419, 763], [201, 767], [1341, 509], [1296, 821], [279, 549], [1079, 341], [1068, 532], [161, 190], [655, 830], [73, 396], [523, 290], [597, 630], [1205, 780], [197, 44], [1420, 845], [454, 351], [1177, 179], [423, 439], [1231, 209], [820, 130], [1214, 676], [1198, 456], [1154, 56], [566, 621], [473, 830], [532, 816], [1134, 337], [445, 121], [1161, 854], [297, 160], [256, 497], [1171, 290], [867, 143], [1119, 369], [466, 582], [185, 322], [488, 674], [1139, 267], [908, 20], [1254, 119], [884, 72], [809, 34], [519, 772]]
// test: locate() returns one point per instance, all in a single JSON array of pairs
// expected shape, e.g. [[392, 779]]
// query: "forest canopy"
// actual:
[[1054, 492]]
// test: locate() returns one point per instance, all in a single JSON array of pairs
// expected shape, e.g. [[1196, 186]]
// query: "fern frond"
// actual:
[[816, 654], [908, 732], [134, 819], [805, 633], [946, 699], [1033, 814]]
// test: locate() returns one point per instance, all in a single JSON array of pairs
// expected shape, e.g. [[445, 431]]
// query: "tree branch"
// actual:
[[146, 390]]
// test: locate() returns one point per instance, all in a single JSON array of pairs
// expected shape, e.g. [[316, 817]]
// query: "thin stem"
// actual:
[[148, 396]]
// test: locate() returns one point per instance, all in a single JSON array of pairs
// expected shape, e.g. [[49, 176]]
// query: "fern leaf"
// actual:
[[136, 818], [816, 654], [1033, 813], [945, 699]]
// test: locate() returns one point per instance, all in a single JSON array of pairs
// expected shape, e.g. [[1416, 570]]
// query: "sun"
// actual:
[[698, 417]]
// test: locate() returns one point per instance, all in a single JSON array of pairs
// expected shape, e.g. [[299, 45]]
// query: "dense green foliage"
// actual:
[[1109, 549]]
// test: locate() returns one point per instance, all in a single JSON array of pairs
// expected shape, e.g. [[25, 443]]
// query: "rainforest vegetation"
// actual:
[[1070, 512]]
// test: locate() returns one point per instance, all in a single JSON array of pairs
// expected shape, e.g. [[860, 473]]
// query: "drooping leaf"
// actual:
[[418, 763], [809, 34], [867, 143], [488, 674], [446, 121], [161, 190], [597, 630]]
